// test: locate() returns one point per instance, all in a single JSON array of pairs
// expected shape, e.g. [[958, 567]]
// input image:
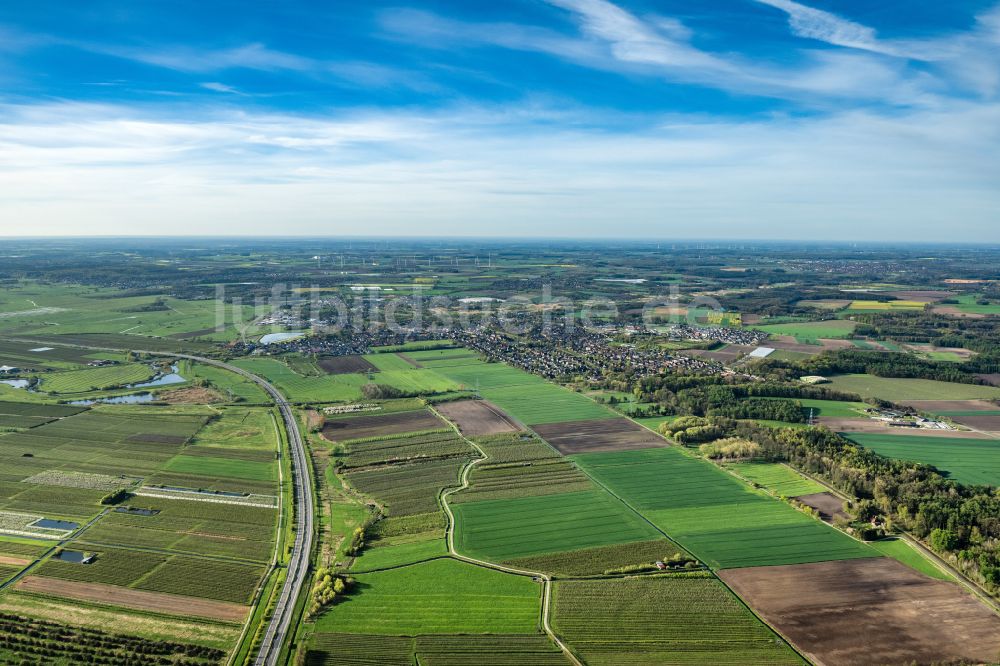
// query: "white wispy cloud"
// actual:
[[614, 39], [968, 59], [68, 168], [255, 56], [824, 26], [633, 40], [216, 86]]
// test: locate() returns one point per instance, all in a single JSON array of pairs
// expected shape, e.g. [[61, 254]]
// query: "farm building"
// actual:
[[9, 370]]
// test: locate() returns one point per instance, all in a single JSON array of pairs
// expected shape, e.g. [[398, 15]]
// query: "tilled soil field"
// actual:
[[158, 602], [478, 417], [571, 437], [344, 365], [870, 611], [829, 505], [356, 427]]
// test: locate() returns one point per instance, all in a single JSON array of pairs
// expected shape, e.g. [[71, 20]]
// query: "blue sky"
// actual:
[[779, 119]]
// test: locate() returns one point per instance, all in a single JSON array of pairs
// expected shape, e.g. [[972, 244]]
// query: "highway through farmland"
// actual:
[[298, 565]]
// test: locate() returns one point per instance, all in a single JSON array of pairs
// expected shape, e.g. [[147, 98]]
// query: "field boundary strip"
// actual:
[[450, 541]]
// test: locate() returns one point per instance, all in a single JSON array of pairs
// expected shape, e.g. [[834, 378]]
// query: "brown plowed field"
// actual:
[[727, 355], [955, 312], [344, 365], [992, 378], [571, 437], [355, 427], [478, 417], [789, 343], [838, 424], [159, 602], [829, 505], [986, 422], [926, 296], [13, 561], [934, 406], [870, 611]]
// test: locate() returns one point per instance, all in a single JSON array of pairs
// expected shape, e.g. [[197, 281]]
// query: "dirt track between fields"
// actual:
[[478, 417], [159, 602], [870, 611], [616, 434]]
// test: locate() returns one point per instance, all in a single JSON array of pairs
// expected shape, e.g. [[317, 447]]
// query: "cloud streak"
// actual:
[[824, 26], [501, 171]]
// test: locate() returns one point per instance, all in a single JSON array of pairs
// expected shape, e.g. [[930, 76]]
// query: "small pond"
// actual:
[[161, 380], [16, 383], [75, 556], [132, 511], [119, 400], [49, 523]]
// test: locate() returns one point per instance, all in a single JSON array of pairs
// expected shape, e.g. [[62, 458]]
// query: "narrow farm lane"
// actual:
[[545, 578]]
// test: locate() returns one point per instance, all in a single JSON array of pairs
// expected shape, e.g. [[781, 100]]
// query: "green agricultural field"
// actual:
[[899, 549], [967, 304], [716, 517], [334, 649], [472, 372], [385, 557], [112, 567], [408, 488], [654, 422], [95, 379], [227, 383], [810, 331], [100, 618], [395, 371], [675, 619], [521, 466], [528, 398], [602, 559], [398, 449], [835, 408], [35, 308], [299, 388], [438, 597], [235, 582], [448, 354], [506, 529], [777, 478], [546, 403], [902, 390], [785, 355], [970, 461], [223, 467], [237, 431], [418, 346]]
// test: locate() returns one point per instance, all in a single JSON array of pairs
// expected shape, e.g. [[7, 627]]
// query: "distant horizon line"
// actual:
[[498, 239]]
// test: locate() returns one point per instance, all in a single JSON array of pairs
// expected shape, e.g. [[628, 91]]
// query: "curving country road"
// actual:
[[298, 565]]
